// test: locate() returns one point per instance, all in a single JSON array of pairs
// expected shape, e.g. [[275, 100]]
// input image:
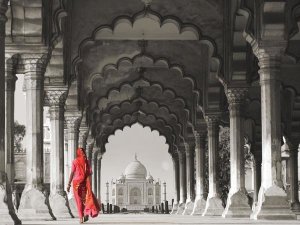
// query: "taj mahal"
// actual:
[[135, 190]]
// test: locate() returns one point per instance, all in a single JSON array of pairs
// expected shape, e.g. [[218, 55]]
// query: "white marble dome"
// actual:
[[135, 170]]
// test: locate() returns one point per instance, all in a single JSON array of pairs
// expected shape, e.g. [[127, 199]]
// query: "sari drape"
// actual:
[[87, 203]]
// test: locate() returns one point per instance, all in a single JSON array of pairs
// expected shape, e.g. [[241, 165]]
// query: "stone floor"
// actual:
[[138, 219]]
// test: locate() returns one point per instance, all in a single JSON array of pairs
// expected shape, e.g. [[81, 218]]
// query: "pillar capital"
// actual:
[[236, 95], [55, 97], [269, 54], [212, 119], [72, 122], [34, 64]]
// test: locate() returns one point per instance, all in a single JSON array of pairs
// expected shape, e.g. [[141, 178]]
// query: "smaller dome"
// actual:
[[149, 177], [122, 177]]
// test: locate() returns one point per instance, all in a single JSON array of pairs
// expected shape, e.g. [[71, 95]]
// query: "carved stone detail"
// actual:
[[236, 95], [55, 97], [72, 122]]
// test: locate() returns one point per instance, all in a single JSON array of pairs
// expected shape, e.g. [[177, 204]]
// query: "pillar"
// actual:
[[237, 201], [72, 120], [293, 174], [200, 200], [94, 168], [176, 183], [213, 205], [256, 174], [271, 191], [10, 83], [189, 147], [182, 180], [7, 211], [33, 200], [107, 193], [99, 158], [56, 97], [89, 149], [66, 160]]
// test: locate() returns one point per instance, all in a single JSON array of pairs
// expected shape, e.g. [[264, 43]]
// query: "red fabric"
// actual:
[[87, 203]]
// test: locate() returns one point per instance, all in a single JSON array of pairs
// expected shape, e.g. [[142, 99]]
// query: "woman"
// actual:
[[86, 202]]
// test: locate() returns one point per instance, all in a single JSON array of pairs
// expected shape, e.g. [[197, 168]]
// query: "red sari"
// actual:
[[87, 203]]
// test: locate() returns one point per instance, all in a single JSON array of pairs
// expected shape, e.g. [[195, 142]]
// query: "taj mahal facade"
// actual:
[[135, 190]]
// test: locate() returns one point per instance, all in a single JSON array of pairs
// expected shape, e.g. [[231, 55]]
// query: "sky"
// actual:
[[151, 149]]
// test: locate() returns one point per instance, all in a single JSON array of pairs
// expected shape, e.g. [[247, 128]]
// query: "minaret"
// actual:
[[107, 192], [165, 191]]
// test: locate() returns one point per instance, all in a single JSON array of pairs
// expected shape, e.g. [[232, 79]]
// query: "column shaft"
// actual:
[[237, 202], [34, 123], [269, 56], [214, 205], [7, 211], [200, 160], [182, 172], [176, 183], [99, 178], [10, 81], [57, 149]]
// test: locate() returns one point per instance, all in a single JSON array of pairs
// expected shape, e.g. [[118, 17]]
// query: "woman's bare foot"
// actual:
[[81, 220]]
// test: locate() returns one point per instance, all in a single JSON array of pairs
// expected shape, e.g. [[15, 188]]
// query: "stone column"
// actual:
[[176, 184], [66, 159], [10, 83], [56, 97], [7, 211], [293, 172], [99, 159], [189, 147], [200, 201], [33, 199], [89, 149], [271, 190], [256, 174], [72, 120], [237, 201], [94, 168], [214, 203], [182, 174]]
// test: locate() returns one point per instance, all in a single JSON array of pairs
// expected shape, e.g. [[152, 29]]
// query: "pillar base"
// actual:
[[7, 211], [188, 209], [272, 204], [199, 207], [237, 205], [34, 205], [60, 206], [175, 208], [180, 209], [213, 207], [72, 205]]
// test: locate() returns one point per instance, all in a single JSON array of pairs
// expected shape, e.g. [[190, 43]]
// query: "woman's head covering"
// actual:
[[80, 153]]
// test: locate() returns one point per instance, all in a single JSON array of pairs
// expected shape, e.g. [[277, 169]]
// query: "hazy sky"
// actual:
[[151, 149]]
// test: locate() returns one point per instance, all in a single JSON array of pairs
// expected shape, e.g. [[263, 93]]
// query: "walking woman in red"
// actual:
[[86, 202]]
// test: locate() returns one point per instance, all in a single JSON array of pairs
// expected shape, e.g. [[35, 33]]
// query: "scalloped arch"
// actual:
[[99, 126]]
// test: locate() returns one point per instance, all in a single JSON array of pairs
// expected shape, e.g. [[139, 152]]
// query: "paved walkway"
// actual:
[[139, 219]]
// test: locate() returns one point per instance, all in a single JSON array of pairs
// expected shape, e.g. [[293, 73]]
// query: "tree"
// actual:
[[19, 133], [223, 164]]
